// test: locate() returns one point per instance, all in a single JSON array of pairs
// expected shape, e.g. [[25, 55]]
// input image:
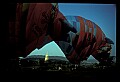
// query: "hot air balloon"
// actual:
[[89, 40], [32, 25], [44, 25], [36, 24]]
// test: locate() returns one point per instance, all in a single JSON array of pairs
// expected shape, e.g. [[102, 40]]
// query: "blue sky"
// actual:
[[104, 15]]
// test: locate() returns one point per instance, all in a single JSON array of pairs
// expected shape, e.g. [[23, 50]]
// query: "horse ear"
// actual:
[[108, 40]]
